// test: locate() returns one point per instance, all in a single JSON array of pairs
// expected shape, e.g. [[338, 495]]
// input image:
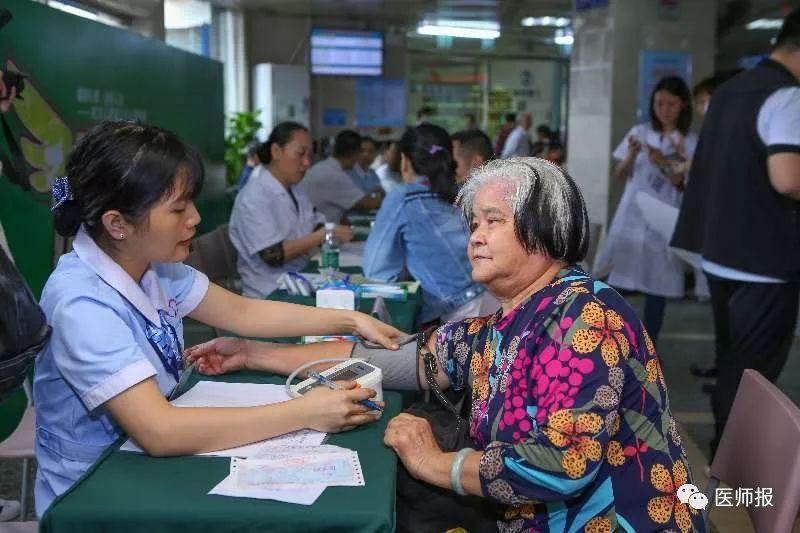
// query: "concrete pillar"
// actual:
[[233, 52], [604, 80], [153, 25]]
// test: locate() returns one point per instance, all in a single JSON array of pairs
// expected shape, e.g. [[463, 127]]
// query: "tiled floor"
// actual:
[[687, 337]]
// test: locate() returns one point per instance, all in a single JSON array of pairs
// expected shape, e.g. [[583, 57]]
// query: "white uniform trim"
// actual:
[[146, 298], [118, 382], [779, 118], [113, 274]]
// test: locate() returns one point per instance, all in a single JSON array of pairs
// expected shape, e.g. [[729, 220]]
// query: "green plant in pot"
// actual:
[[242, 128]]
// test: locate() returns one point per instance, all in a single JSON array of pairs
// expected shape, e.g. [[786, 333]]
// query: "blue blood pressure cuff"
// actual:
[[399, 367]]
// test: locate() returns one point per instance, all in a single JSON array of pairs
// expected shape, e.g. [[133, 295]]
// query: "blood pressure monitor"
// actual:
[[366, 375]]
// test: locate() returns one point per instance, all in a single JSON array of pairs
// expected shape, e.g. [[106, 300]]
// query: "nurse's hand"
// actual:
[[343, 233], [376, 331], [220, 355], [337, 410]]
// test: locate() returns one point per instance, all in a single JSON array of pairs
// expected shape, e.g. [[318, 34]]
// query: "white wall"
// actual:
[[531, 85]]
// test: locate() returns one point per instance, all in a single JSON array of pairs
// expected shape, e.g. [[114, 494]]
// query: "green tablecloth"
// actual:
[[130, 492], [403, 313]]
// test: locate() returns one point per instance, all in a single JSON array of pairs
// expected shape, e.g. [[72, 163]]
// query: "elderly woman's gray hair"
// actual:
[[549, 212]]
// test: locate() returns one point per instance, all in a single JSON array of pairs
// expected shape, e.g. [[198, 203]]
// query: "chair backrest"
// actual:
[[214, 255], [759, 449]]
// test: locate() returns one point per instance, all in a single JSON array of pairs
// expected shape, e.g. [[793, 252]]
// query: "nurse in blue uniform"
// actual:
[[116, 303]]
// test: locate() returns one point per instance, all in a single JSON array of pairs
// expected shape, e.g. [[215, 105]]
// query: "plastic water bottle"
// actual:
[[329, 261]]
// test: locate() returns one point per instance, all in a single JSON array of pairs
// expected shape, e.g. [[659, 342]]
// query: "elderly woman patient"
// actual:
[[569, 413]]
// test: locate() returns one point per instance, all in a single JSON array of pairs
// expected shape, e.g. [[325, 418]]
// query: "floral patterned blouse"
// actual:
[[570, 408]]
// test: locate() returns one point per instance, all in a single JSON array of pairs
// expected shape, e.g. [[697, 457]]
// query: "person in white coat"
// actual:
[[653, 159], [274, 226]]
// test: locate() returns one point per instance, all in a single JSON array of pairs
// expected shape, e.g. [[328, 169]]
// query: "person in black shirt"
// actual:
[[740, 216]]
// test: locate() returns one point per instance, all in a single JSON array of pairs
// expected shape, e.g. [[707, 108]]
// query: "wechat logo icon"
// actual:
[[691, 495]]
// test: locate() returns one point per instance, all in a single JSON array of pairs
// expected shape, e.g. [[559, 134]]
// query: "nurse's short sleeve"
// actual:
[[183, 284], [779, 121], [95, 351], [621, 151]]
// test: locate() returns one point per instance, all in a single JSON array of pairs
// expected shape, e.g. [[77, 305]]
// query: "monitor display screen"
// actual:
[[346, 52]]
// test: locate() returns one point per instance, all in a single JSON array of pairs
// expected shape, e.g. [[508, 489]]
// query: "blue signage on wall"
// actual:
[[653, 66], [583, 5], [334, 116], [380, 102]]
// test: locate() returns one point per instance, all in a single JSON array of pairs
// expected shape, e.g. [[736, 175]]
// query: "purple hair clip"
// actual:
[[61, 191], [435, 148]]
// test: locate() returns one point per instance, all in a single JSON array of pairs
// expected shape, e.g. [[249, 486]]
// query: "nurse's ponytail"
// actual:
[[430, 151], [122, 166], [280, 135]]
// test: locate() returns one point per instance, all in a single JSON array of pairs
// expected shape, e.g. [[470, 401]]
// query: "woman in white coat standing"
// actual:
[[653, 160]]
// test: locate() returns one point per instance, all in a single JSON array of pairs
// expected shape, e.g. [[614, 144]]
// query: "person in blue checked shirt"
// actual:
[[419, 229], [116, 302]]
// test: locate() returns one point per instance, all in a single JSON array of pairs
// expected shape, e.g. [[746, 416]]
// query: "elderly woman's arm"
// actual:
[[412, 439], [558, 457]]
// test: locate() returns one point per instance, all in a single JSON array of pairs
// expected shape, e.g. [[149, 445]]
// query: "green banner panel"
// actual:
[[82, 72]]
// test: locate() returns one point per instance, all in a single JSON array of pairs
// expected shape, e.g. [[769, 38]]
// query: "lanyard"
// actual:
[[164, 341]]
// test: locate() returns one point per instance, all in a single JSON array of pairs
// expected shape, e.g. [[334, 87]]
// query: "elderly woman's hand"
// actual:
[[411, 437]]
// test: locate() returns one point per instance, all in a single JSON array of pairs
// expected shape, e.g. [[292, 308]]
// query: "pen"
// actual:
[[319, 378], [181, 381]]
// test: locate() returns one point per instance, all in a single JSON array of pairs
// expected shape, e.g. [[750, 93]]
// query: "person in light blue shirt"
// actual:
[[362, 174], [419, 229], [116, 303]]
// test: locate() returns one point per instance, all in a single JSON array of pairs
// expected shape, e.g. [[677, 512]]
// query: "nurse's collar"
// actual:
[[146, 298]]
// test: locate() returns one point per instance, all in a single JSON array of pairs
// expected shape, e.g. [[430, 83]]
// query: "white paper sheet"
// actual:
[[218, 394], [294, 475], [307, 466], [301, 495], [659, 216]]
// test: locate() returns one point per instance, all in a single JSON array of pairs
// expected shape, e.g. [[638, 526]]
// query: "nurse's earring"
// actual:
[[121, 235]]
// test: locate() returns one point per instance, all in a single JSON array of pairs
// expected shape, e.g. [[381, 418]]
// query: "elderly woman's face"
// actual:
[[497, 256]]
